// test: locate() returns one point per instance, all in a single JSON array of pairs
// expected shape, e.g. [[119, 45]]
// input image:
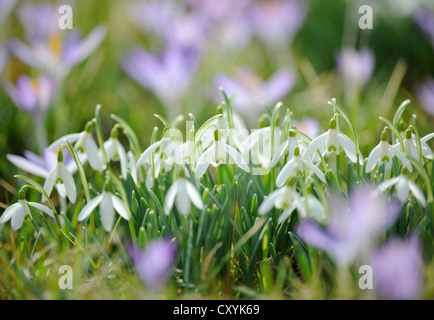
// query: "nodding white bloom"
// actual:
[[62, 178], [116, 152], [18, 211], [259, 145], [217, 154], [109, 203], [403, 187], [410, 146], [297, 164], [85, 144], [333, 141], [287, 199], [383, 153], [286, 147], [183, 192]]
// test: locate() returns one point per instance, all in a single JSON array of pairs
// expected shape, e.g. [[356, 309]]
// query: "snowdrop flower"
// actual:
[[252, 92], [383, 153], [333, 141], [84, 144], [260, 147], [169, 153], [403, 186], [62, 178], [297, 164], [287, 147], [354, 228], [116, 152], [183, 192], [410, 146], [18, 211], [276, 22], [109, 203], [167, 75], [155, 262], [217, 154], [42, 166], [398, 269], [32, 95], [287, 199], [56, 56]]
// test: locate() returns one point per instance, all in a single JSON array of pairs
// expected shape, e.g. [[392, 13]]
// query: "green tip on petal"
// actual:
[[384, 135], [408, 134], [181, 174], [332, 124], [296, 152], [216, 135]]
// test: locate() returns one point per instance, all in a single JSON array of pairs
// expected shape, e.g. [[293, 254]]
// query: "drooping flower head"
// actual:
[[155, 262]]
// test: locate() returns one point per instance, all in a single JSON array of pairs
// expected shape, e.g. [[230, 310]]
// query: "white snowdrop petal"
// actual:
[[69, 183], [203, 162], [349, 147], [18, 218], [194, 195], [9, 212], [279, 153], [170, 198], [107, 212], [50, 181], [71, 138], [147, 153], [319, 143], [89, 207], [270, 201], [93, 155], [42, 208], [120, 207], [417, 193], [315, 170], [402, 158], [373, 158], [285, 173], [286, 213], [387, 184], [402, 190], [236, 156], [182, 200]]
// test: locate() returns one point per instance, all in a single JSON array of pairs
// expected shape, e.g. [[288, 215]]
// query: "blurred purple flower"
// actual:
[[155, 262], [252, 92], [167, 75], [41, 166], [309, 126], [425, 21], [276, 22], [425, 93], [40, 20], [6, 7], [354, 228], [170, 21], [57, 56], [218, 11], [32, 95], [355, 67], [397, 270]]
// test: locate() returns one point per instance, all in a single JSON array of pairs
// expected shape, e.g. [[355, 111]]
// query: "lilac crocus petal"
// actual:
[[309, 126], [155, 262], [397, 269], [31, 95], [425, 93], [6, 7], [276, 22], [75, 51], [278, 86], [355, 67], [353, 227], [167, 75], [40, 20]]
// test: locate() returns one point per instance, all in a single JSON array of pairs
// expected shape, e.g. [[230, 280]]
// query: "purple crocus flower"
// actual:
[[58, 55], [155, 262], [167, 75], [397, 270], [425, 93], [309, 126], [170, 21], [32, 95], [425, 21], [355, 67], [42, 166], [353, 227], [218, 11], [252, 92], [276, 22], [6, 7], [40, 20]]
